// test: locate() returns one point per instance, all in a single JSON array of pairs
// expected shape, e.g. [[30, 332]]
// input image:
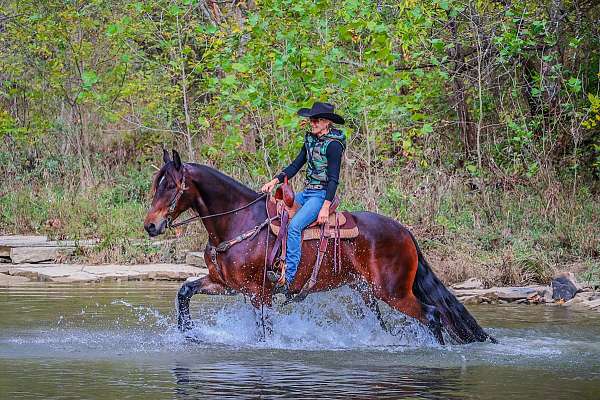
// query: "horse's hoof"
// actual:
[[435, 327], [493, 339], [439, 337], [193, 339]]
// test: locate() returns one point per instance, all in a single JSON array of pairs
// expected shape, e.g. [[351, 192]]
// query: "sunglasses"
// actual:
[[315, 120]]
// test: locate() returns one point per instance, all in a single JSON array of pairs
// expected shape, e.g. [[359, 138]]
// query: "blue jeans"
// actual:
[[311, 202]]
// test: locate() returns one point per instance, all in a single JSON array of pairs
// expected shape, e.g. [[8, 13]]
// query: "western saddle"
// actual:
[[341, 225]]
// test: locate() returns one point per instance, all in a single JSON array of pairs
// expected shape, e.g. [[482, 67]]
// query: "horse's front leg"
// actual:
[[261, 299], [192, 286]]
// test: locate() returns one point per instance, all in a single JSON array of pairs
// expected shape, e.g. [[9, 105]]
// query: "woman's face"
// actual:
[[319, 126]]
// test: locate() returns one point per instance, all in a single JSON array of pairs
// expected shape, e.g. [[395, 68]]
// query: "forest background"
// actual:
[[475, 123]]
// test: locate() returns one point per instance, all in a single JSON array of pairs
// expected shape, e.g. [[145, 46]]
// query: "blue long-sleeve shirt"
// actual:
[[334, 161]]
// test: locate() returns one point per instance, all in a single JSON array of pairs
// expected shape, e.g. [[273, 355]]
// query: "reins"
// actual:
[[178, 195]]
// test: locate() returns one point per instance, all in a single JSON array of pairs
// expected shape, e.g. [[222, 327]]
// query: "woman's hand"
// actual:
[[324, 213], [268, 187]]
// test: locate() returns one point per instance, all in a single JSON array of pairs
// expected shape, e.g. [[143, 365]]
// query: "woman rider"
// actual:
[[322, 151]]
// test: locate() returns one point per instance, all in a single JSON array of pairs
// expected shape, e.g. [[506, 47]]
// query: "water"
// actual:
[[118, 341]]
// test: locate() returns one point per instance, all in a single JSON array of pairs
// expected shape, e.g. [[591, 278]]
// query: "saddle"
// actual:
[[341, 225]]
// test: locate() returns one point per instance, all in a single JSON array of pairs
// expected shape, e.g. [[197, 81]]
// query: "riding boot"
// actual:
[[281, 284]]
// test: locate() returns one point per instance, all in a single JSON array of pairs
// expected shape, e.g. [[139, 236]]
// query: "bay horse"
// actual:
[[383, 263]]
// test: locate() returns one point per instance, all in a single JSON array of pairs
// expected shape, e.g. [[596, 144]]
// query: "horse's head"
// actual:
[[169, 188]]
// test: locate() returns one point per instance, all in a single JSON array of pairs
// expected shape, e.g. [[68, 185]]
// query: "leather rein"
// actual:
[[180, 190]]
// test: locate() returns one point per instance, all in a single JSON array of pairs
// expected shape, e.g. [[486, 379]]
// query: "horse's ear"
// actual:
[[166, 156], [176, 160]]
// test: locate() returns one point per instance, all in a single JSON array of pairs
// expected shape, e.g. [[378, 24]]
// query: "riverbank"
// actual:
[[465, 227]]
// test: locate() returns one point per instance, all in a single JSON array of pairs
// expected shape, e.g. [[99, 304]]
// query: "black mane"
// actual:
[[218, 175]]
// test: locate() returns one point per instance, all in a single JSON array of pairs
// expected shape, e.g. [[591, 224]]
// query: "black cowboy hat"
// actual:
[[321, 110]]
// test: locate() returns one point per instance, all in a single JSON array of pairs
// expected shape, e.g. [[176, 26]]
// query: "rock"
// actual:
[[195, 258], [517, 293], [26, 249], [99, 273], [471, 300], [20, 255], [594, 304], [18, 239], [547, 296], [8, 280], [584, 296], [508, 294], [534, 299], [31, 274], [7, 242], [471, 283], [565, 286]]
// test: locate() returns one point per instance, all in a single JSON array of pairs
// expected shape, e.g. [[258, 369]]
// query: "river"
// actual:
[[118, 341]]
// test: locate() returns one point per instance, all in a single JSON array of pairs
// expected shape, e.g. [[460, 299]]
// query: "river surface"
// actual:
[[118, 341]]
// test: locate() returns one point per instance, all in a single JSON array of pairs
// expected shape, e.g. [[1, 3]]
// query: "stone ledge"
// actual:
[[586, 299], [71, 273], [8, 280]]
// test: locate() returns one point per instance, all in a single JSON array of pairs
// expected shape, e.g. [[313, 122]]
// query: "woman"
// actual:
[[322, 151]]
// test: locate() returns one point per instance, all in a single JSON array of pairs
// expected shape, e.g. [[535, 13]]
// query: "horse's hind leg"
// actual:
[[204, 285], [426, 314], [393, 285], [370, 301]]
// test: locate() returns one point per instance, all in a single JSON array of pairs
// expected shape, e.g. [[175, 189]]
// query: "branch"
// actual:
[[7, 17]]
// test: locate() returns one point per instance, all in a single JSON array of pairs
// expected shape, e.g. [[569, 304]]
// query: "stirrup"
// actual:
[[278, 279], [274, 276]]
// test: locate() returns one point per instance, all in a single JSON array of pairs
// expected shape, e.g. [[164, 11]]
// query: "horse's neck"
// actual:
[[219, 194]]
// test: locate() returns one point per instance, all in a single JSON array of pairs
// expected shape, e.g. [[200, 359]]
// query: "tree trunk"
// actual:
[[461, 95]]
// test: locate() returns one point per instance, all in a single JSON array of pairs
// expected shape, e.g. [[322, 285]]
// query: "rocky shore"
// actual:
[[563, 291]]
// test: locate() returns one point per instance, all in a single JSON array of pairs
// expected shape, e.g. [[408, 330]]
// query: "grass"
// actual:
[[507, 236]]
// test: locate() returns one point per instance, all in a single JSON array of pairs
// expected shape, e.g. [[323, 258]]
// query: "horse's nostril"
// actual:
[[151, 228]]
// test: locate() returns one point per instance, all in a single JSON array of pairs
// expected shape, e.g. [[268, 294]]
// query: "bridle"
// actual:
[[181, 188]]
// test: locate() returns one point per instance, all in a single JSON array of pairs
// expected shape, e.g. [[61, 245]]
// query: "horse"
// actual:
[[384, 262]]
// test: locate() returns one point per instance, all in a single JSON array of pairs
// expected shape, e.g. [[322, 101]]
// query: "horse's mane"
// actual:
[[225, 178], [155, 179], [205, 169]]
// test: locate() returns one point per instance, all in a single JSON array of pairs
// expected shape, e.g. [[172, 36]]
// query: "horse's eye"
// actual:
[[170, 185]]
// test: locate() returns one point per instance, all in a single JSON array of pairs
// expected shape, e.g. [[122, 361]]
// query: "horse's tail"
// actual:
[[457, 320]]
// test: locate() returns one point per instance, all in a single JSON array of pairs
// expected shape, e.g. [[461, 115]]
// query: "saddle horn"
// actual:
[[285, 193]]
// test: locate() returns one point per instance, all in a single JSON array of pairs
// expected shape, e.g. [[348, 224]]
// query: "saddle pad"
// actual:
[[348, 227]]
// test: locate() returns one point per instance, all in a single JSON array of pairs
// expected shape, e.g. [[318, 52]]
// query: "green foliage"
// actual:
[[90, 93]]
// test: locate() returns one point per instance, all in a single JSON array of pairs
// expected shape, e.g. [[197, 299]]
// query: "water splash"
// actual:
[[336, 320]]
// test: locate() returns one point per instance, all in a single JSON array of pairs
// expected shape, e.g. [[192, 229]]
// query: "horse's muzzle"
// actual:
[[154, 230]]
